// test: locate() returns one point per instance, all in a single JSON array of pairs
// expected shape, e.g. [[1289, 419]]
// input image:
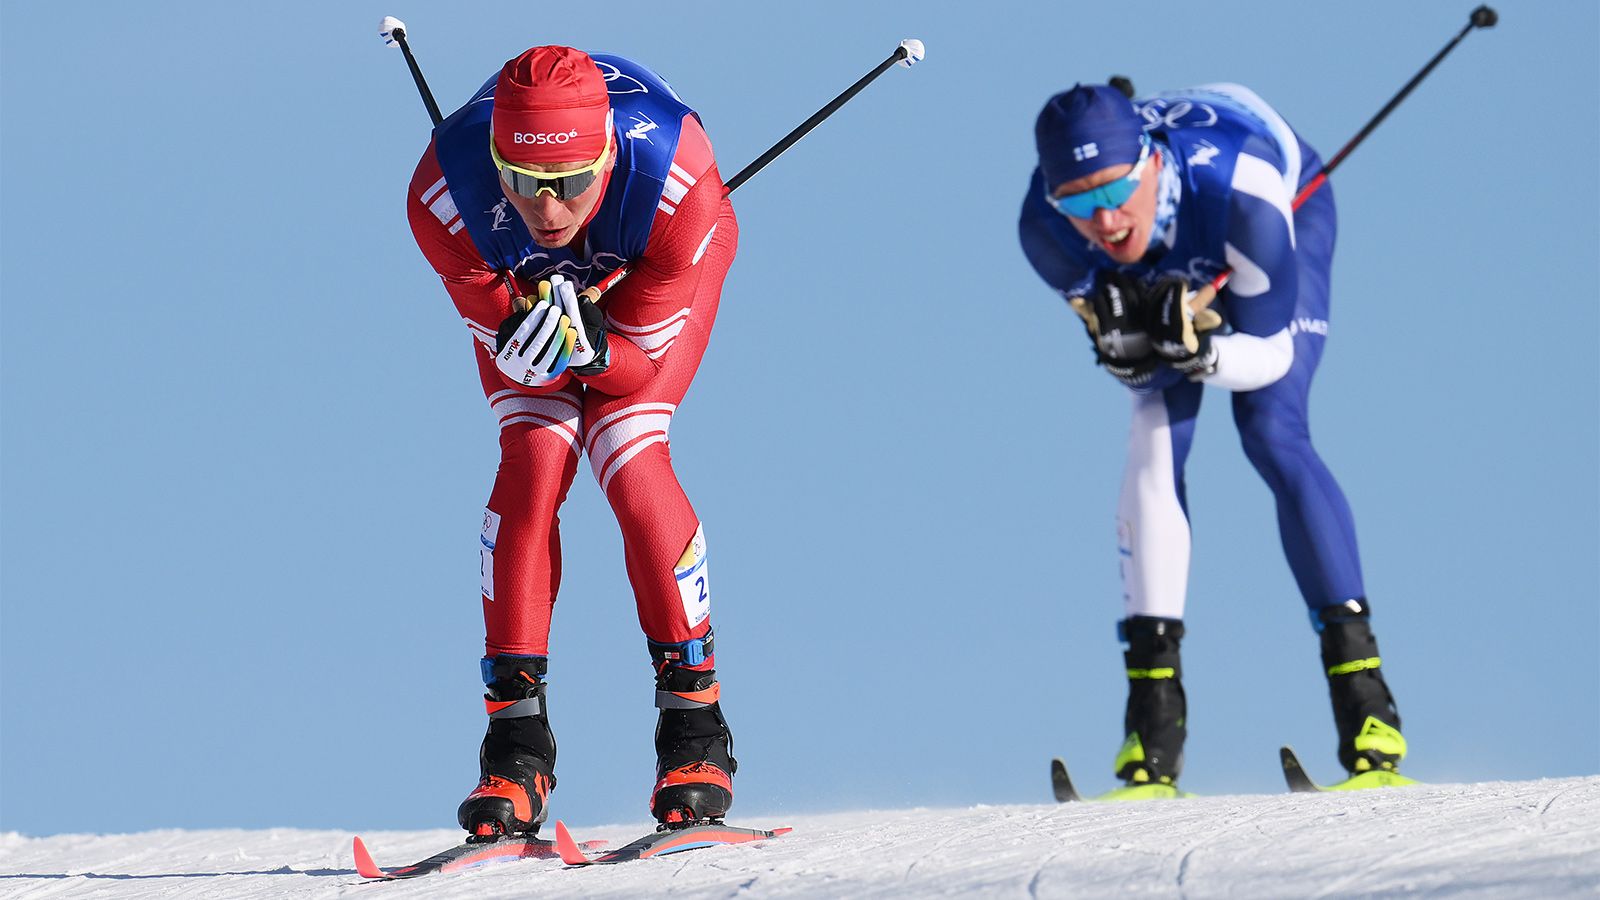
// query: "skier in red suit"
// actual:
[[560, 170]]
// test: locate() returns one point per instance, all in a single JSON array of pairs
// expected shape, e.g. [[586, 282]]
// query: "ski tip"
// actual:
[[567, 847], [777, 831], [365, 867]]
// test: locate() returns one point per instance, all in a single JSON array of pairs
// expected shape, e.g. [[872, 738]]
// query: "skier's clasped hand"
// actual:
[[535, 342], [541, 340], [1114, 315], [1175, 333]]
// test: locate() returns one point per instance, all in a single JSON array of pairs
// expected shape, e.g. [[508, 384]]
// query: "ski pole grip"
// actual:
[[596, 292], [1206, 318]]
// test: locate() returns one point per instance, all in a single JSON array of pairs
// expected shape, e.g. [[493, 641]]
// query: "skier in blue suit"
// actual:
[[1134, 206]]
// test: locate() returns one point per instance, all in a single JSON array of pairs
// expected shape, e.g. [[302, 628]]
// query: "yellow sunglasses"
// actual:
[[561, 185]]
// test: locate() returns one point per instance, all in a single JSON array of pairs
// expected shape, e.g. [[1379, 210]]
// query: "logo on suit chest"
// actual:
[[540, 265]]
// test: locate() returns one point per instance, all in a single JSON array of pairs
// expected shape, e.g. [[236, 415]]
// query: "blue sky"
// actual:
[[243, 451]]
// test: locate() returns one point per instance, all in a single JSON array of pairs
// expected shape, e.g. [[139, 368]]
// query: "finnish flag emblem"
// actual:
[[1087, 151]]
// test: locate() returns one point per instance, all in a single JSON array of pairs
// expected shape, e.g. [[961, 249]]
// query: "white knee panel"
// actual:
[[616, 438], [1152, 530], [559, 414]]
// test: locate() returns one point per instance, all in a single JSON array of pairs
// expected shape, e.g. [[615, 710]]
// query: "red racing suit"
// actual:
[[658, 321]]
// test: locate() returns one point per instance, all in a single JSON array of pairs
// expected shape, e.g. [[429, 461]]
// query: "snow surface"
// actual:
[[1506, 839]]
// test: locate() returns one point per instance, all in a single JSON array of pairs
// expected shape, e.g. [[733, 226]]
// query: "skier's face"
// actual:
[[553, 222], [1123, 233]]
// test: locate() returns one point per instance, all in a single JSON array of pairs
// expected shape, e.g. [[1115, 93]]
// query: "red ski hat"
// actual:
[[551, 106]]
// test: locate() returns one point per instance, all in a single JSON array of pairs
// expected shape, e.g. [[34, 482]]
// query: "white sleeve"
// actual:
[[1248, 363]]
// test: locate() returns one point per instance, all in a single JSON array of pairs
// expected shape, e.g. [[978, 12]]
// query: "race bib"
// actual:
[[491, 533], [1125, 558], [694, 579]]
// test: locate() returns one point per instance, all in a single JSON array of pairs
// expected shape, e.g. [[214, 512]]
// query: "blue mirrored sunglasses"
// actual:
[[1107, 196]]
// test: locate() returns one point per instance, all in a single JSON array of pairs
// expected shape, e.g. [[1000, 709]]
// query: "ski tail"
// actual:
[[1061, 782], [568, 848], [1294, 773], [365, 867]]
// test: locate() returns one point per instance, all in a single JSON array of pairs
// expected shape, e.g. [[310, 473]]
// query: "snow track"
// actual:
[[1506, 839]]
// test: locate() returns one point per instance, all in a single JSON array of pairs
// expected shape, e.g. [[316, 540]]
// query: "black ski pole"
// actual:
[[908, 54], [393, 32], [1482, 17]]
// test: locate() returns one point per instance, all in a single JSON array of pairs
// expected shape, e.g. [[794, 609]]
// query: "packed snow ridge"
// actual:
[[1506, 839]]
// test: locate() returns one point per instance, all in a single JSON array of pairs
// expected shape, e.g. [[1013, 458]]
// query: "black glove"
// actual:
[[591, 329], [1173, 333], [520, 308], [1113, 313]]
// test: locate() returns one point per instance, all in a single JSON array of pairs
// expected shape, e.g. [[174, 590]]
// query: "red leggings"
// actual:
[[626, 439]]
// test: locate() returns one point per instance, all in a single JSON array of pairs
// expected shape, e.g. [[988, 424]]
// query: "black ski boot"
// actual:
[[1155, 721], [694, 748], [1363, 708], [518, 757]]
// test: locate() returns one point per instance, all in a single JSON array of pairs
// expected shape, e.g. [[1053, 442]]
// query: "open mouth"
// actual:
[[1117, 239]]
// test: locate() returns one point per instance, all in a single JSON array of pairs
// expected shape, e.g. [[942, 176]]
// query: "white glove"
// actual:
[[538, 348]]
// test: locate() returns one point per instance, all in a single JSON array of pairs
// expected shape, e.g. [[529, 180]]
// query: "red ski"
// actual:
[[662, 841], [469, 855]]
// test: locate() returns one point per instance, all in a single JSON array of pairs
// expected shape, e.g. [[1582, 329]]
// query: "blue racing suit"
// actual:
[[1230, 169]]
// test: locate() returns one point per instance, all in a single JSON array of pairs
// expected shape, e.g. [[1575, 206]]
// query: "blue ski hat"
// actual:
[[1085, 130]]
